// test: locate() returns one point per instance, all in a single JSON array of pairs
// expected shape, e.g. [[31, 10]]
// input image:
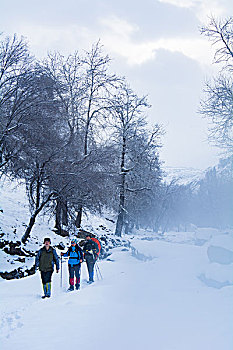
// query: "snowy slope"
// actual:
[[186, 175], [183, 175], [15, 215]]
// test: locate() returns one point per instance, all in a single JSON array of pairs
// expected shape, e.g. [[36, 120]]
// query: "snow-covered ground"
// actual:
[[166, 292], [151, 297]]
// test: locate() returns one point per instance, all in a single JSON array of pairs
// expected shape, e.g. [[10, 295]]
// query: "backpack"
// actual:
[[77, 250], [98, 243]]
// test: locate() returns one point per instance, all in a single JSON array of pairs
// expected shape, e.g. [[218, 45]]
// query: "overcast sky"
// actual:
[[155, 43]]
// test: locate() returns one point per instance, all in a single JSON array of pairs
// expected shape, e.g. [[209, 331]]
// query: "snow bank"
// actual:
[[206, 233], [214, 265]]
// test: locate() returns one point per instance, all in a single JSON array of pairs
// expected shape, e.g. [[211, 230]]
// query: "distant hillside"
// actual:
[[183, 175]]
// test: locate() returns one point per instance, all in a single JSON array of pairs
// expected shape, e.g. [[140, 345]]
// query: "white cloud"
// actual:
[[119, 26], [202, 8], [61, 38], [180, 3], [197, 49], [117, 38]]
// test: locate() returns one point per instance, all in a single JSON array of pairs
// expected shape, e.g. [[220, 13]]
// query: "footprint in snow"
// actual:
[[10, 322]]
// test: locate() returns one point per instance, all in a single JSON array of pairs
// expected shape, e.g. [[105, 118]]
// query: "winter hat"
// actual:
[[74, 241], [47, 240]]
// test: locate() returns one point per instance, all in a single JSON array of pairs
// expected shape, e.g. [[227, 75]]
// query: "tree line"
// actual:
[[78, 135], [209, 201]]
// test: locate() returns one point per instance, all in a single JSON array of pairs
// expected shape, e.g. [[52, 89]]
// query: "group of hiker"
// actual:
[[47, 257]]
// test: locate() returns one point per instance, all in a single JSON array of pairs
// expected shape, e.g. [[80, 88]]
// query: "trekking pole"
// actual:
[[97, 274], [61, 271], [95, 262], [99, 270]]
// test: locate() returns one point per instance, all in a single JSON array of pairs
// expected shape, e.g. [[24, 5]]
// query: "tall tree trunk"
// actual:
[[61, 215], [126, 228], [58, 215], [80, 208], [33, 219], [1, 155], [131, 226], [29, 227], [120, 218], [64, 218], [86, 137], [79, 216]]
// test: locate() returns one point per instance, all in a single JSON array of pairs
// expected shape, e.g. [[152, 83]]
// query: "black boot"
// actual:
[[70, 288]]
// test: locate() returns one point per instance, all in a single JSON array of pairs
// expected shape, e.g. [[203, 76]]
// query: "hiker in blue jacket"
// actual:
[[75, 255]]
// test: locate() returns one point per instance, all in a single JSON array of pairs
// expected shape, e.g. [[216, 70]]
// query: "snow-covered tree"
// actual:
[[217, 106], [133, 142], [16, 92]]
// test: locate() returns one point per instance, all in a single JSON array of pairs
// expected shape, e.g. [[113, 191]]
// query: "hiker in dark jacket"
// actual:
[[45, 259], [90, 250], [75, 255]]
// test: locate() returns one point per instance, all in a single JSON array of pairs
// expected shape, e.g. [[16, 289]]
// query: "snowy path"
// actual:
[[158, 304]]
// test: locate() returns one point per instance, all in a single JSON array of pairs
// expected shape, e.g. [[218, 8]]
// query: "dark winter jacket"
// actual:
[[90, 250], [75, 254], [45, 259]]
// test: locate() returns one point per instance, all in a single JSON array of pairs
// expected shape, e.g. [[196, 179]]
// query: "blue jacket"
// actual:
[[75, 254]]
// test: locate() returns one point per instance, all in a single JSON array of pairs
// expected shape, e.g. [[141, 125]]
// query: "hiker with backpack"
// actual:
[[91, 252], [45, 260], [75, 255]]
